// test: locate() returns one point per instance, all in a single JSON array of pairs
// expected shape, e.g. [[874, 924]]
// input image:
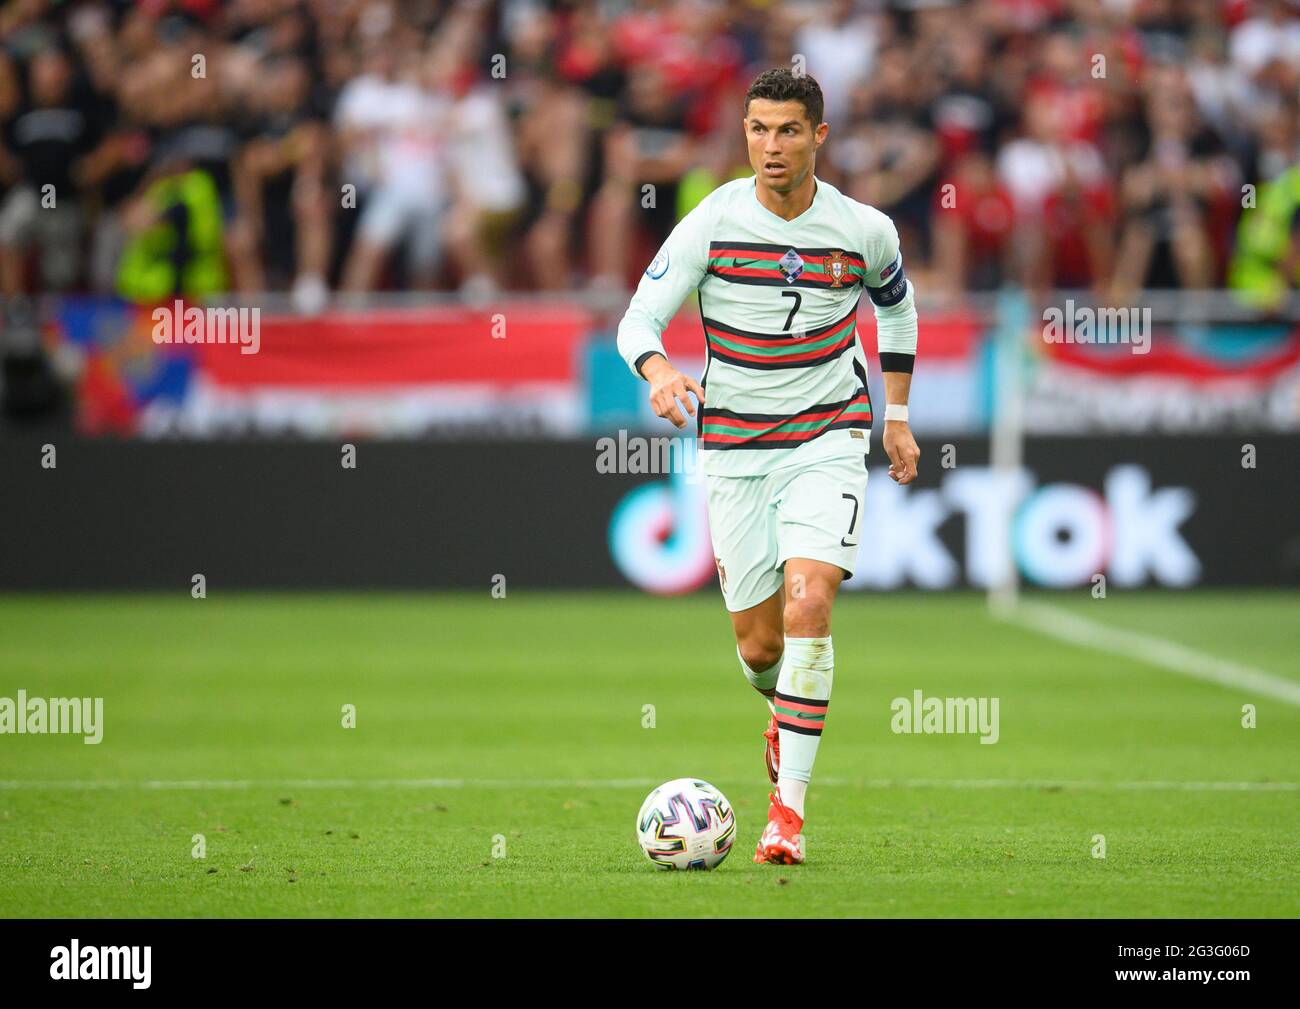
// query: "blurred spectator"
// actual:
[[54, 142], [647, 146], [168, 226], [889, 152], [1266, 264], [490, 191], [393, 127], [487, 183], [285, 215], [974, 223], [1056, 180], [969, 112], [1270, 34], [840, 47], [1169, 194], [1224, 97], [554, 121]]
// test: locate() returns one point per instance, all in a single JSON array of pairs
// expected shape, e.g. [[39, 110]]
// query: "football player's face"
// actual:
[[782, 142]]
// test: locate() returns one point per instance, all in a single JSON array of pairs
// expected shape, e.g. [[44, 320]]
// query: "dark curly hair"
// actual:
[[780, 85]]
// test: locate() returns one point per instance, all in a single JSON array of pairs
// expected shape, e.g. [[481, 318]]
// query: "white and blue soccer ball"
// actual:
[[686, 823]]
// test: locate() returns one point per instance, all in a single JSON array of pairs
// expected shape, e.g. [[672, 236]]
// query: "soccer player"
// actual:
[[779, 262]]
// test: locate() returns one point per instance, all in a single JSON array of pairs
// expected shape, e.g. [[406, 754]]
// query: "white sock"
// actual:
[[764, 681], [792, 793], [803, 691]]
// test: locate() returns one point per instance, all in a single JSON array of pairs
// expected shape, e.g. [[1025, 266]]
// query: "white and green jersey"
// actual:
[[779, 304]]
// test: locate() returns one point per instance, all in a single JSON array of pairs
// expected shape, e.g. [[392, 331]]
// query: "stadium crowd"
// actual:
[[155, 147]]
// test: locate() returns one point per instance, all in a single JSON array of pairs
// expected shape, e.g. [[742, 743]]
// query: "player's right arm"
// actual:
[[676, 271], [891, 297]]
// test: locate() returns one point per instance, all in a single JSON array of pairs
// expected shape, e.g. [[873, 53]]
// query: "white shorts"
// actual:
[[807, 509]]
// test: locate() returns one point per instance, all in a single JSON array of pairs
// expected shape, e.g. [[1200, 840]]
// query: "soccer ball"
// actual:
[[686, 824]]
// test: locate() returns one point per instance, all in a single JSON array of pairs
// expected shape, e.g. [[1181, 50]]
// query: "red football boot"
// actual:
[[772, 749], [782, 840]]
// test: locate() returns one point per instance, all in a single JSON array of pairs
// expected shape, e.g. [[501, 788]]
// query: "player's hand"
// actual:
[[902, 450], [667, 387]]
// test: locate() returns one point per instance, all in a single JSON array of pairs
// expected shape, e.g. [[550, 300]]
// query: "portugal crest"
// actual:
[[835, 267]]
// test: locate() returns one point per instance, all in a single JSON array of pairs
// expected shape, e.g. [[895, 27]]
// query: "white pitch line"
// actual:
[[1066, 626], [290, 784]]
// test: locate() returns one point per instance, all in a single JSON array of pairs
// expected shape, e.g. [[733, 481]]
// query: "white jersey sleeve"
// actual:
[[676, 271], [890, 292]]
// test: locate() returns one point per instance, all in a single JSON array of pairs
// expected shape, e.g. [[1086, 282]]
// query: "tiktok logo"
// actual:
[[659, 536], [1058, 535]]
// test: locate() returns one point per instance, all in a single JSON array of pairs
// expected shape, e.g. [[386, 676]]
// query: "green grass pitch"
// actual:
[[514, 727]]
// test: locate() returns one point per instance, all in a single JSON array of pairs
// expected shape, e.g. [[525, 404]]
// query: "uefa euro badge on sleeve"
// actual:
[[658, 266]]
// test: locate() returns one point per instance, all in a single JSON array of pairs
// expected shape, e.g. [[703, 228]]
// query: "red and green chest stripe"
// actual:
[[785, 265], [726, 429], [769, 351]]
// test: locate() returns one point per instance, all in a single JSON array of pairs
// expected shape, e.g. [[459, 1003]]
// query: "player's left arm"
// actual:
[[892, 299]]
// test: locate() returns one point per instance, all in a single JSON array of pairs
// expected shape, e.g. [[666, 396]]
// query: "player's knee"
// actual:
[[809, 615], [761, 652]]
